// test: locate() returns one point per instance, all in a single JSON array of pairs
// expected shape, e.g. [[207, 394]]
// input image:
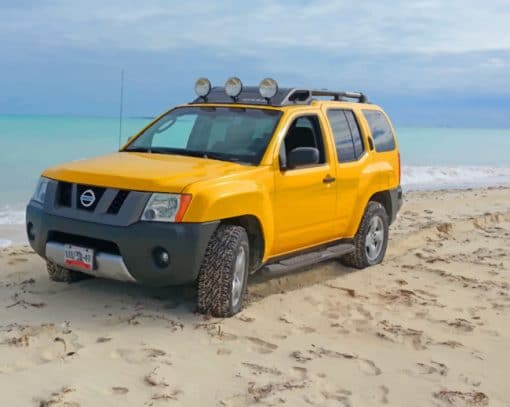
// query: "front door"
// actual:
[[305, 197]]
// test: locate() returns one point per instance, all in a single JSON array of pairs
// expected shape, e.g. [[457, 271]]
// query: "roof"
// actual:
[[284, 97]]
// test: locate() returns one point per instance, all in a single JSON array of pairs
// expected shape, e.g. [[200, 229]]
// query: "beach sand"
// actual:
[[430, 326]]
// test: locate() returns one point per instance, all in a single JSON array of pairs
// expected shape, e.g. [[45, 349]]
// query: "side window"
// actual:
[[359, 147], [349, 144], [342, 134], [174, 133], [381, 130], [305, 131]]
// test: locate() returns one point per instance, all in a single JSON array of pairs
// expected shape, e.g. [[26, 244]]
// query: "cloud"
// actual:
[[66, 56], [425, 26]]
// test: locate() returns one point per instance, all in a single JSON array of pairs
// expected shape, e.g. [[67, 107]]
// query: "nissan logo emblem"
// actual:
[[87, 198]]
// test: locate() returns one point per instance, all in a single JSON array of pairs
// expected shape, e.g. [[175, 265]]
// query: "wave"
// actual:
[[413, 178], [11, 216], [4, 243], [428, 177]]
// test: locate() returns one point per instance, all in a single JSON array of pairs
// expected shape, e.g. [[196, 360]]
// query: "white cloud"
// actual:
[[426, 26]]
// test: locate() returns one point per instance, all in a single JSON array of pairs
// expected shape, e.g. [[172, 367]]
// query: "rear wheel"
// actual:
[[62, 275], [371, 240], [224, 272]]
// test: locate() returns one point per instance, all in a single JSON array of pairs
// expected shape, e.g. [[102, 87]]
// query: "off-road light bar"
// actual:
[[267, 93], [202, 87], [233, 87]]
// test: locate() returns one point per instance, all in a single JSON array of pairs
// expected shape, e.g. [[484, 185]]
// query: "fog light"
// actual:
[[161, 257]]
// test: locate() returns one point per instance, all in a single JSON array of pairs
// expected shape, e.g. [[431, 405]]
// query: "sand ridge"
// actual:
[[430, 326]]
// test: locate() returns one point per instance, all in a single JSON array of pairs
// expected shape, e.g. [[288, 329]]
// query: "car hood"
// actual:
[[143, 171]]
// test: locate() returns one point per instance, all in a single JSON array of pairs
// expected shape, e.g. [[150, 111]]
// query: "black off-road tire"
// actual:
[[358, 258], [216, 273], [62, 275]]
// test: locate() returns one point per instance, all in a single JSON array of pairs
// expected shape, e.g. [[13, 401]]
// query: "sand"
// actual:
[[430, 326]]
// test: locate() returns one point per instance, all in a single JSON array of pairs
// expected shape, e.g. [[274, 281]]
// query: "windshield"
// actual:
[[223, 133]]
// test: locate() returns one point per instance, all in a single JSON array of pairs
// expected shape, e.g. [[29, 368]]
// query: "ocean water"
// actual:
[[432, 158]]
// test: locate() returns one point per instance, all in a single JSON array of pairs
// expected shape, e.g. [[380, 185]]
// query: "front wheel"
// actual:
[[224, 272], [371, 240]]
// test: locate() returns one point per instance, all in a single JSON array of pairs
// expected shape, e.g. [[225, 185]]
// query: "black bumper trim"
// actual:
[[185, 243], [396, 202]]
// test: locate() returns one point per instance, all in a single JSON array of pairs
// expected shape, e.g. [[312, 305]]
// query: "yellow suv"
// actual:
[[242, 178]]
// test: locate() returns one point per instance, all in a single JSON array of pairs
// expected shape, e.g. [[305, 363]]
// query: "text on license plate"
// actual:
[[79, 257]]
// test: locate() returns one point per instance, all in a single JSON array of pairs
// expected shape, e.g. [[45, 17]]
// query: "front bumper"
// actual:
[[124, 252]]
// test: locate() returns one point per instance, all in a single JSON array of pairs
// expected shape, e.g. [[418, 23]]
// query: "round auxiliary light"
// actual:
[[202, 87], [268, 88], [233, 87]]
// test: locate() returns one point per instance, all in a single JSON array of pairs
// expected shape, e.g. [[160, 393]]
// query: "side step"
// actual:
[[308, 259]]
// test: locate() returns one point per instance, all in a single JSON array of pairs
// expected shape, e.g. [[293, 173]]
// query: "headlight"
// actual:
[[40, 190], [166, 207]]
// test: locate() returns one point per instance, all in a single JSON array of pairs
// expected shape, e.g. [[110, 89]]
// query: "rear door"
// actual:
[[351, 158]]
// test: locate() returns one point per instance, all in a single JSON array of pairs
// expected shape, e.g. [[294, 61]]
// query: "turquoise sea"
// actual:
[[432, 157]]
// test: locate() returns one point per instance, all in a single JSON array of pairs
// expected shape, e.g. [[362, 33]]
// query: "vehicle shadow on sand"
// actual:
[[97, 298]]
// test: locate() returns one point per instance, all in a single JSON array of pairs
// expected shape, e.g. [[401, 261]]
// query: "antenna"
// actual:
[[121, 110]]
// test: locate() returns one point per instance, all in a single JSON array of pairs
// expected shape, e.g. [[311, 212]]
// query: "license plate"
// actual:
[[80, 257]]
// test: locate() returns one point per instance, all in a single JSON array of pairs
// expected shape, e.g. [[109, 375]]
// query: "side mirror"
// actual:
[[302, 156]]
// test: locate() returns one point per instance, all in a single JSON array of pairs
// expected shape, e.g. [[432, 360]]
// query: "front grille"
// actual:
[[117, 202], [104, 246], [88, 197], [64, 194]]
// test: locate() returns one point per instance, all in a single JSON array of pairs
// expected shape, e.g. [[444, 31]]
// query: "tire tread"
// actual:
[[357, 258], [215, 275]]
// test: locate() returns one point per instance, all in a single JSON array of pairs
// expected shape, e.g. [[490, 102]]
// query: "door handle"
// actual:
[[329, 179]]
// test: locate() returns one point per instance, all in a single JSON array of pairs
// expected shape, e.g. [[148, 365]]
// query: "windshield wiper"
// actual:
[[191, 153], [222, 156], [137, 150]]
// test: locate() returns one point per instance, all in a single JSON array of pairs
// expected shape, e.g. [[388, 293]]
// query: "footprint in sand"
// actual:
[[58, 398], [368, 367], [469, 380], [458, 398], [261, 346], [257, 369], [432, 368], [459, 324], [137, 356], [16, 260], [384, 394], [37, 345], [340, 398], [120, 390]]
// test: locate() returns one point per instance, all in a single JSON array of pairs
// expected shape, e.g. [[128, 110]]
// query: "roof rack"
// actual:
[[341, 95], [284, 97]]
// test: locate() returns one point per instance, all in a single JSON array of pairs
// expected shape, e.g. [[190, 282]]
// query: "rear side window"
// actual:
[[349, 145], [381, 130], [359, 147]]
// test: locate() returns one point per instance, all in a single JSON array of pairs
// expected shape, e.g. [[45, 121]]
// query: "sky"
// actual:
[[427, 62]]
